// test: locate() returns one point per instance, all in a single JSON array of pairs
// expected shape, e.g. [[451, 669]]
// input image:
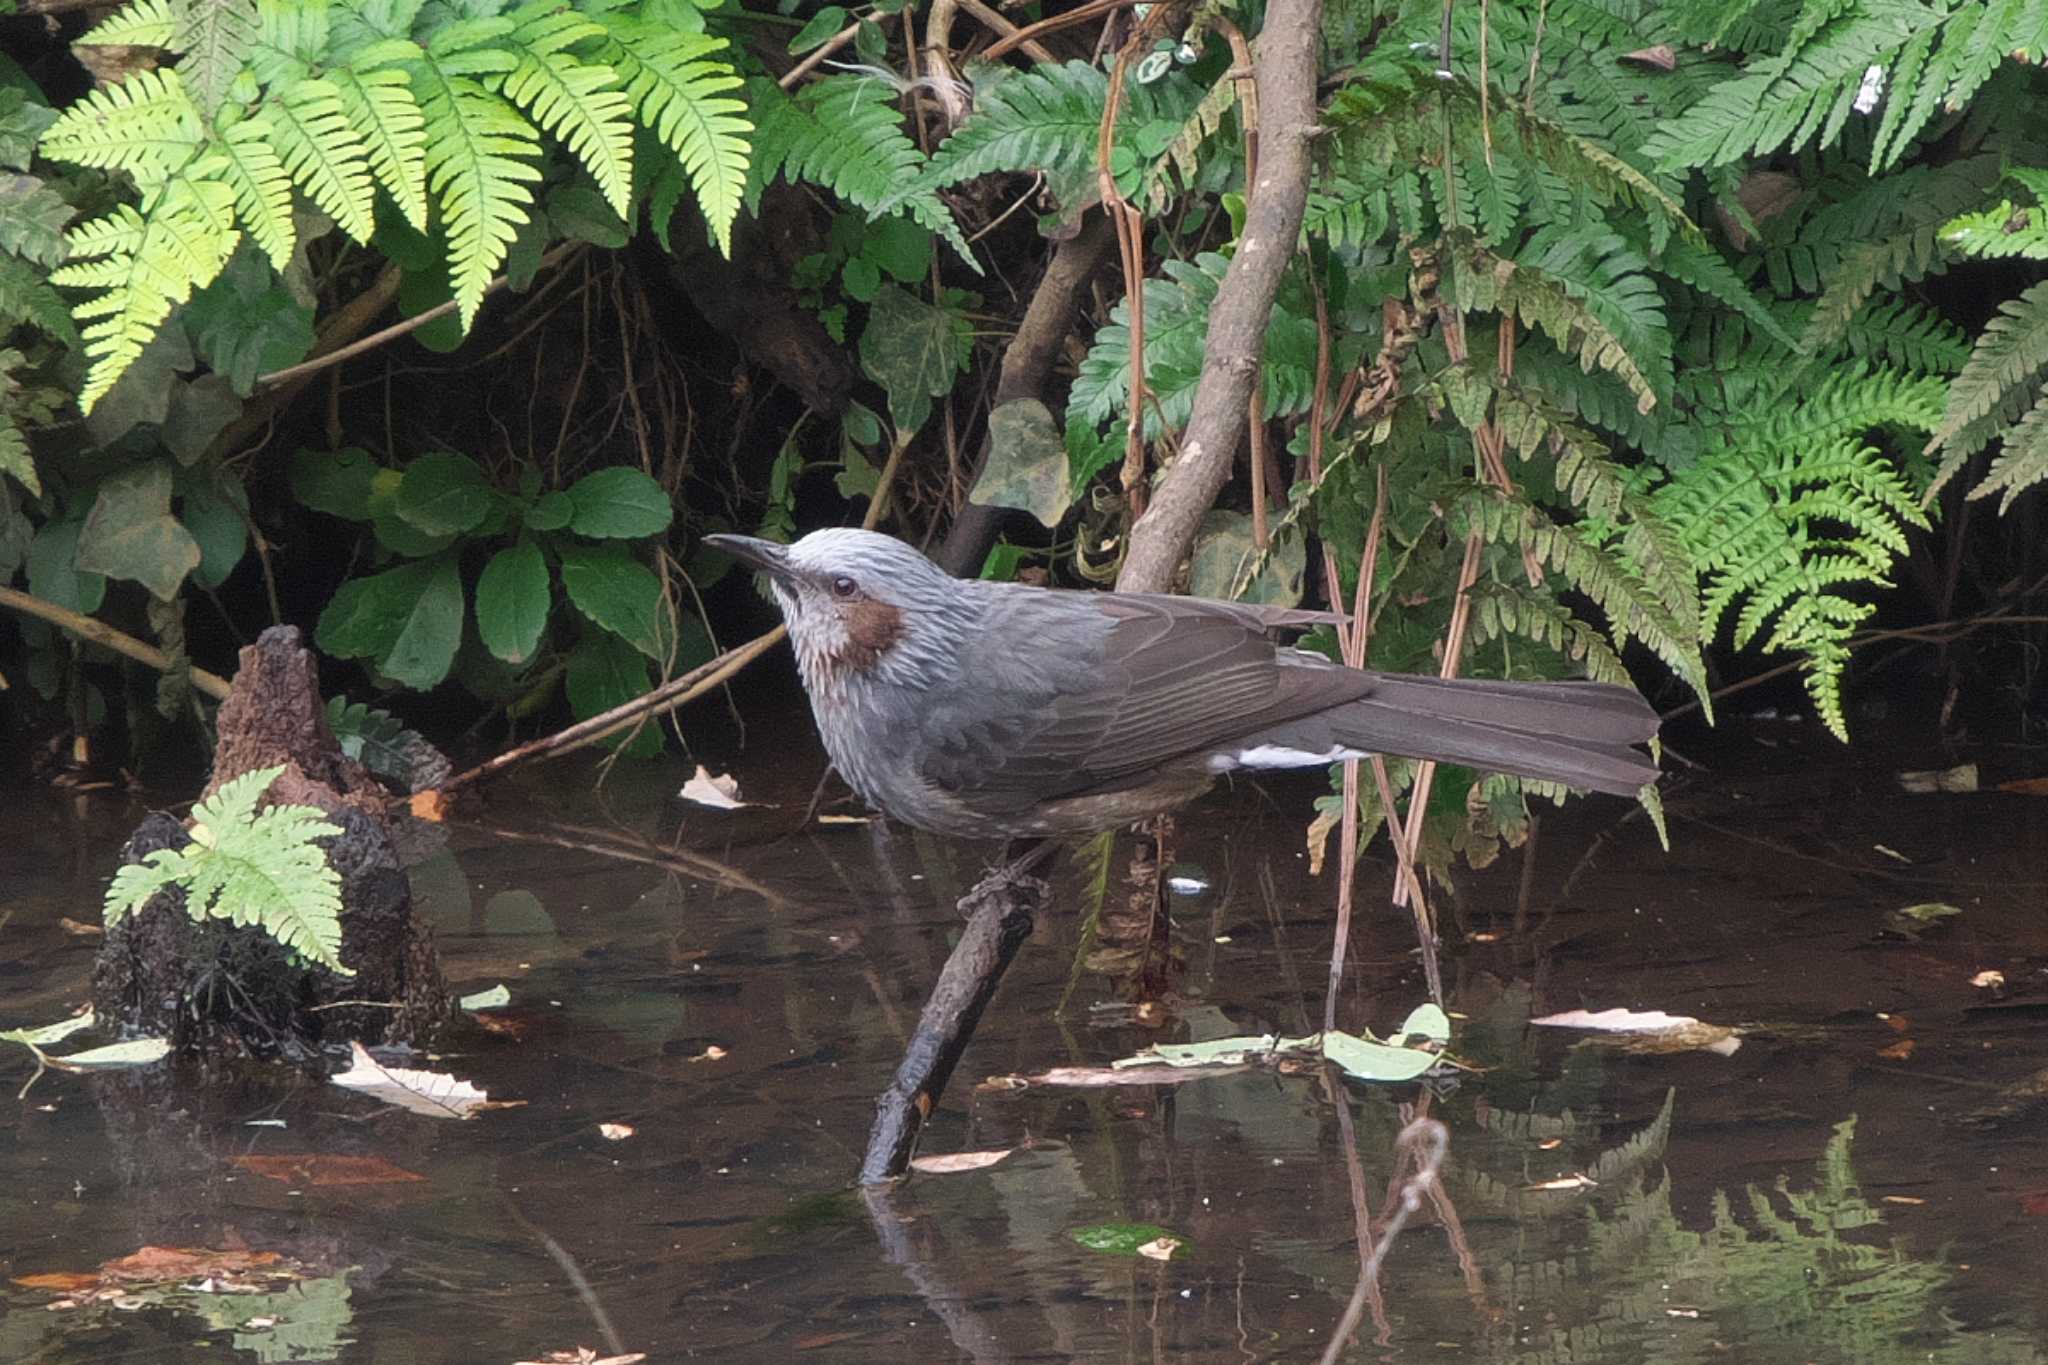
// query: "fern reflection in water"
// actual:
[[1784, 1274], [249, 869]]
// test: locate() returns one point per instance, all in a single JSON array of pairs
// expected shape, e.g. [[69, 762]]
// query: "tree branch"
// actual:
[[1244, 302]]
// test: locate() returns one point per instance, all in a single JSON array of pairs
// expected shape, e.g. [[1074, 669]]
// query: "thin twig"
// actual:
[[1424, 1143], [99, 633]]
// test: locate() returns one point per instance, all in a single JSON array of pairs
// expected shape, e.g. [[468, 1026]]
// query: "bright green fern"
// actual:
[[248, 868]]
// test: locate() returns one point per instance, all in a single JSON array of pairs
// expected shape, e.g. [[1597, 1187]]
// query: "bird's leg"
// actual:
[[1155, 972], [1000, 910]]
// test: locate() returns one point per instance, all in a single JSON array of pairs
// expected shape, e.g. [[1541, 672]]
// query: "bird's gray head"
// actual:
[[861, 606]]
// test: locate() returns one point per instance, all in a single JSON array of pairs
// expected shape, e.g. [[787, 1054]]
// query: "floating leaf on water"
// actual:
[[432, 1093], [1121, 1239], [718, 791], [49, 1033], [497, 997], [112, 1057], [1650, 1030], [949, 1163]]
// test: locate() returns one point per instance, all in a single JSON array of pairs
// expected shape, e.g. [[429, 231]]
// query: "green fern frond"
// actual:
[[1908, 336], [1182, 154], [1045, 119], [1996, 383], [2022, 459], [147, 23], [213, 37], [2009, 230], [1797, 97], [1554, 293], [845, 133], [1886, 264], [26, 296], [249, 869], [323, 155], [576, 100], [678, 87], [1504, 609], [379, 105], [146, 262], [1347, 215], [481, 158], [147, 126], [263, 188], [1698, 264]]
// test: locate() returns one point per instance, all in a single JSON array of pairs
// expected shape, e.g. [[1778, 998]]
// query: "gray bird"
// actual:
[[995, 709]]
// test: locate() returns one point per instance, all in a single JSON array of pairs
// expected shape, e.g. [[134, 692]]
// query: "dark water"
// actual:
[[1825, 1194]]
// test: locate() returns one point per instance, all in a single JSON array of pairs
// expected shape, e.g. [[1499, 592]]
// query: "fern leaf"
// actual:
[[379, 105], [2009, 230], [154, 258], [147, 23], [147, 126], [678, 86], [213, 36], [263, 188], [2008, 359], [2022, 459], [845, 133], [1908, 336], [1503, 609], [248, 868], [26, 296], [479, 163], [1705, 269], [1046, 119], [324, 156], [576, 100]]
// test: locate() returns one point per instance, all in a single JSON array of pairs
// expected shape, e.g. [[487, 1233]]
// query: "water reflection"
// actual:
[[737, 994]]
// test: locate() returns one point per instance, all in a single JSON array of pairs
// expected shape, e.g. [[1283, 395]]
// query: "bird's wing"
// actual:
[[1148, 681]]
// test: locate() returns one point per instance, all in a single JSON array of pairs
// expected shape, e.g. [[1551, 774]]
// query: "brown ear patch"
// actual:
[[872, 630]]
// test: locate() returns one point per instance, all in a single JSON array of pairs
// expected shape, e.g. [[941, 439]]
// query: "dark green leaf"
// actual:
[[822, 25], [512, 602], [407, 620], [619, 503], [617, 592], [130, 532], [861, 278], [914, 350], [337, 482], [53, 572], [22, 121], [246, 323], [550, 512], [32, 219], [873, 46], [16, 532], [200, 410], [1027, 463], [214, 514], [899, 246], [604, 671], [583, 215], [444, 493]]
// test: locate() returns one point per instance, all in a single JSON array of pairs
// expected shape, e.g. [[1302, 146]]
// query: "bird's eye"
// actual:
[[842, 586]]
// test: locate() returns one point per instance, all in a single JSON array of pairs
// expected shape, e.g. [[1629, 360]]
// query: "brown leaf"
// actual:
[[315, 1169], [430, 805], [79, 930], [1763, 195], [1661, 57], [1897, 1052], [2026, 786], [59, 1281]]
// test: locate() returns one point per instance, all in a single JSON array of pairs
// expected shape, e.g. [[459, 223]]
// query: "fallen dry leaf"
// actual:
[[1899, 1199], [2034, 1203], [1897, 1052], [77, 929], [846, 819], [433, 1093], [615, 1132], [1160, 1248], [2026, 786], [1091, 1077], [1649, 1031], [1574, 1181], [430, 805], [949, 1163], [1961, 778], [314, 1170], [713, 1053], [1661, 57], [165, 1265], [718, 791], [1990, 980], [583, 1355]]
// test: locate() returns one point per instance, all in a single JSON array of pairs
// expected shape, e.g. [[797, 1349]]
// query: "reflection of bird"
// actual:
[[987, 709]]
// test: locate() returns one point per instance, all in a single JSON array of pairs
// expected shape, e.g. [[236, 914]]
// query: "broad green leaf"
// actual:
[[1227, 564], [215, 514], [1366, 1060], [246, 323], [200, 409], [130, 532], [49, 1033], [550, 512], [32, 219], [617, 592], [444, 493], [134, 1052], [497, 997], [1027, 462], [512, 602], [53, 572], [899, 246], [604, 671], [407, 620], [1121, 1239], [914, 350], [22, 121], [618, 503], [337, 482], [582, 215], [822, 25]]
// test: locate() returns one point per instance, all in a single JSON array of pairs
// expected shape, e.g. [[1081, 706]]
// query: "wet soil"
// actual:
[[1864, 1180]]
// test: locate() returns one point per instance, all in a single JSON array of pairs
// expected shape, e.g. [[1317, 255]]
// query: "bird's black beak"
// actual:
[[768, 556]]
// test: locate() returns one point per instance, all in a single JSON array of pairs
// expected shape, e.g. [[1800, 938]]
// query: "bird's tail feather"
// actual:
[[1575, 733]]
